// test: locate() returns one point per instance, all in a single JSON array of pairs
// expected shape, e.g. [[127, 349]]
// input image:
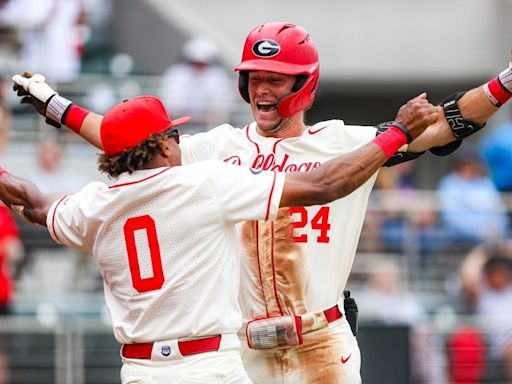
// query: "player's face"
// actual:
[[265, 90], [173, 139]]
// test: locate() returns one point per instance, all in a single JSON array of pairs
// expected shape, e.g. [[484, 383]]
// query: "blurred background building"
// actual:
[[374, 56]]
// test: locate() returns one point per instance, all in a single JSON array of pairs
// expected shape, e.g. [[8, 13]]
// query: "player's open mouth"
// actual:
[[266, 106]]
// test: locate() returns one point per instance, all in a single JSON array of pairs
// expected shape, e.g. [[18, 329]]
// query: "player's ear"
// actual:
[[165, 148]]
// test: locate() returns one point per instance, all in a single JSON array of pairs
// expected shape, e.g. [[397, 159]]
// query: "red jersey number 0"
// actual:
[[147, 224]]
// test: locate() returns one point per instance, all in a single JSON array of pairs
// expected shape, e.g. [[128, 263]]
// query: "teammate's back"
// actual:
[[164, 241]]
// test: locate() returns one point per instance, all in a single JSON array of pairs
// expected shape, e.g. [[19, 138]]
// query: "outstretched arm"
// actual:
[[90, 129], [476, 107], [24, 197], [342, 175]]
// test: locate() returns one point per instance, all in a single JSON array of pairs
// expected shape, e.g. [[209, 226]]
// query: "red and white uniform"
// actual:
[[298, 264], [166, 245]]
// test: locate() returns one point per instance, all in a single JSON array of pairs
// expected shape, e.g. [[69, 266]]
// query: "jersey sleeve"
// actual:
[[70, 221], [243, 193], [203, 145], [354, 136]]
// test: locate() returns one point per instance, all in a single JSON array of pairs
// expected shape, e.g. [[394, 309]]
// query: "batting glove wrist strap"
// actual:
[[56, 108]]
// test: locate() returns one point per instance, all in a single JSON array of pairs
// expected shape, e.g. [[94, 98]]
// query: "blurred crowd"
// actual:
[[462, 227]]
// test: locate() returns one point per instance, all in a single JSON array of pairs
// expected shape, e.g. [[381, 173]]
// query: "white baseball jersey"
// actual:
[[165, 242], [300, 262]]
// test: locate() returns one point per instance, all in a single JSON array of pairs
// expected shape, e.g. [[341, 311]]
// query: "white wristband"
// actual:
[[56, 108], [490, 96]]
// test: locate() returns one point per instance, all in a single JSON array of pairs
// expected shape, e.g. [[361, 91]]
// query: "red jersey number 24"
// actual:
[[143, 224], [319, 222]]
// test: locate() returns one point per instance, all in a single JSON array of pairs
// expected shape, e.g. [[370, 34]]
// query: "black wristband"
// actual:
[[404, 129], [460, 127]]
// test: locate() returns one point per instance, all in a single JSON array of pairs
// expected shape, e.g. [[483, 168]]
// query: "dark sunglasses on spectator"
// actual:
[[175, 134]]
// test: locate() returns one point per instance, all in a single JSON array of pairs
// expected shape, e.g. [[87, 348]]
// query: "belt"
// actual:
[[313, 321], [188, 347], [333, 314]]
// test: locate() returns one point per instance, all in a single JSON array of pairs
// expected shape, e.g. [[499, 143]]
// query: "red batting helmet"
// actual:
[[129, 123], [283, 48]]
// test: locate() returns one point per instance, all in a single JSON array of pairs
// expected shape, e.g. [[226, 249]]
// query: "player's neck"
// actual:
[[159, 161], [290, 127]]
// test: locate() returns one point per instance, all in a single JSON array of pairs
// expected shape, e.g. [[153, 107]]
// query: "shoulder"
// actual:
[[217, 137], [224, 130], [87, 195], [337, 129]]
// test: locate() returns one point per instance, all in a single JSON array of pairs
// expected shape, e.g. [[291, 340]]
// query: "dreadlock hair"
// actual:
[[132, 159]]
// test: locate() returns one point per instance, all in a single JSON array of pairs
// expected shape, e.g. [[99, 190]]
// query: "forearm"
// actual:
[[18, 192], [474, 106], [90, 129], [85, 123], [466, 115], [334, 179], [341, 176]]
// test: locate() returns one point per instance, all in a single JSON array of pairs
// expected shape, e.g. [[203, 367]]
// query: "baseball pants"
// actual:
[[222, 366]]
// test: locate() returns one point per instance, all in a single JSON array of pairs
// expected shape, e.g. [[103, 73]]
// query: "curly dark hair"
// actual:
[[131, 159]]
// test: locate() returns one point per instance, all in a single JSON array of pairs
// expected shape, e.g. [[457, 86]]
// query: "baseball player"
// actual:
[[298, 264], [164, 239]]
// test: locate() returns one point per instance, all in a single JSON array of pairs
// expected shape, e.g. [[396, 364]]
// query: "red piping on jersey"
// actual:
[[252, 141], [53, 219], [257, 231], [270, 197], [274, 271], [275, 145], [139, 181], [256, 144]]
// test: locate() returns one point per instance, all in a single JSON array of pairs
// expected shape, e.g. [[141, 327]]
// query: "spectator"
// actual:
[[199, 86], [414, 227], [496, 151], [50, 175], [50, 35], [5, 117], [466, 355], [386, 300], [470, 206], [11, 253], [486, 274]]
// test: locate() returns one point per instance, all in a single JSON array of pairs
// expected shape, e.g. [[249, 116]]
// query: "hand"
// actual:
[[33, 90], [417, 114]]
